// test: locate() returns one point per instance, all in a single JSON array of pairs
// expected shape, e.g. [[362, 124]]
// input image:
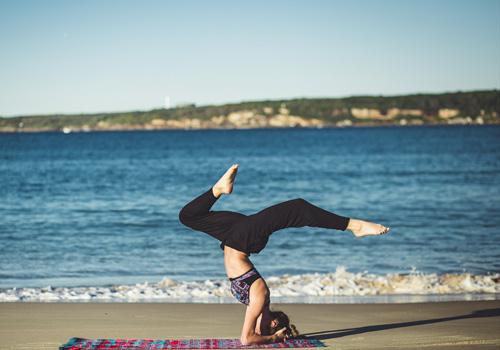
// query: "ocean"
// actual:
[[94, 216]]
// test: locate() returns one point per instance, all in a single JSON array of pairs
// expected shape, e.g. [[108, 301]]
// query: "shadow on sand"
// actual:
[[337, 333]]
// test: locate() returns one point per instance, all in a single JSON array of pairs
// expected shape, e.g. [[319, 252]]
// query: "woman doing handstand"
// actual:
[[241, 235]]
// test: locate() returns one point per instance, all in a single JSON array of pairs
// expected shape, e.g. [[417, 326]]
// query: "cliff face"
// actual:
[[391, 113], [237, 120]]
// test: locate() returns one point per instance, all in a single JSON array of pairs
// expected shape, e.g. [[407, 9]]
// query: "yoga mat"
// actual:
[[160, 344]]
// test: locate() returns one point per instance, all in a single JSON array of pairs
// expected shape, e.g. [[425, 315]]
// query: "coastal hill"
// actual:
[[473, 107]]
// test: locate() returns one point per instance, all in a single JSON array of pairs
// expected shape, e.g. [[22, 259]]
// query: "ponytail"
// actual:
[[293, 331]]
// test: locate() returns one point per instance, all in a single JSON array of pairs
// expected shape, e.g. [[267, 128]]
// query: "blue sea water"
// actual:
[[99, 208]]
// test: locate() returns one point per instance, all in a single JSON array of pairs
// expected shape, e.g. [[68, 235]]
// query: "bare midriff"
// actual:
[[236, 262]]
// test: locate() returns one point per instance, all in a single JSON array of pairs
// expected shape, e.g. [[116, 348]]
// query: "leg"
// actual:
[[251, 234], [295, 213], [299, 213], [198, 216]]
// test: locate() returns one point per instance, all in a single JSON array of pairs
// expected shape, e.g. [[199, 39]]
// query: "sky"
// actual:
[[104, 56]]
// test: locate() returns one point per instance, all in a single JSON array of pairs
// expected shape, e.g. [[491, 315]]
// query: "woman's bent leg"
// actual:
[[198, 216], [199, 206]]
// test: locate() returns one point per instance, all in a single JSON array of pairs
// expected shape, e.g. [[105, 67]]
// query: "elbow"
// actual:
[[245, 341]]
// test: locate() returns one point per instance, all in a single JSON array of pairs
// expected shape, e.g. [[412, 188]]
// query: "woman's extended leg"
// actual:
[[299, 213], [295, 213]]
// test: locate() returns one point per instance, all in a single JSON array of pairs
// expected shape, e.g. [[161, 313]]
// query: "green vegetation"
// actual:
[[422, 108]]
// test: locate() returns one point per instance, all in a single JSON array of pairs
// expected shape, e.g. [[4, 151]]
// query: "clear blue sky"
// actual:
[[95, 56]]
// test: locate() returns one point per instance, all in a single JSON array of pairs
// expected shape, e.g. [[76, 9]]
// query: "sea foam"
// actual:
[[310, 288]]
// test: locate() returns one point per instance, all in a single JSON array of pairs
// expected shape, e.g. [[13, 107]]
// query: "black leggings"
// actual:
[[250, 233]]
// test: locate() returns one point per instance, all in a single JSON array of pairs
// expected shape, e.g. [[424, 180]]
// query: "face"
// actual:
[[273, 325]]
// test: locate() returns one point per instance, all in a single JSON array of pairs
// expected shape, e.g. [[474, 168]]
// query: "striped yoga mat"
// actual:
[[151, 344]]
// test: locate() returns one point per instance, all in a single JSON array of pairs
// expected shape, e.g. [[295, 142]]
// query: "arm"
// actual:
[[258, 298]]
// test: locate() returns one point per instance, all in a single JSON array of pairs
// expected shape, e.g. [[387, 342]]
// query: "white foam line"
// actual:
[[305, 287]]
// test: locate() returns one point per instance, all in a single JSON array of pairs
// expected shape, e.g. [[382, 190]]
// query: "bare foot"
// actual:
[[362, 228], [226, 182]]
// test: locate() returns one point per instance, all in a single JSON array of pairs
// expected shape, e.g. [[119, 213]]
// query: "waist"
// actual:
[[250, 272]]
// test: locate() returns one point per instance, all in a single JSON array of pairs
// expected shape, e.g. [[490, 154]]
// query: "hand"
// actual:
[[281, 335]]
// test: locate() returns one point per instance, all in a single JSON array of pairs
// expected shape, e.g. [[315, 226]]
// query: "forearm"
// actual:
[[259, 339]]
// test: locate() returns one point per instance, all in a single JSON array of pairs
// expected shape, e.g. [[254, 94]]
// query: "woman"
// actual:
[[242, 235]]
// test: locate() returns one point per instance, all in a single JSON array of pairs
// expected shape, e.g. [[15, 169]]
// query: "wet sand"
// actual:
[[444, 325]]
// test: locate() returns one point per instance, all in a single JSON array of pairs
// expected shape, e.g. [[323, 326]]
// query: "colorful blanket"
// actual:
[[151, 344]]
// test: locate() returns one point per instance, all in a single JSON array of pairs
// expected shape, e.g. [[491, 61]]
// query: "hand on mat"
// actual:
[[281, 335]]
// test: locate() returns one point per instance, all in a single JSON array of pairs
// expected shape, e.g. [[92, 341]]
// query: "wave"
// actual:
[[296, 288]]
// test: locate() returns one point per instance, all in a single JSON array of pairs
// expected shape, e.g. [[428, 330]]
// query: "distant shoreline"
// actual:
[[41, 131], [459, 108]]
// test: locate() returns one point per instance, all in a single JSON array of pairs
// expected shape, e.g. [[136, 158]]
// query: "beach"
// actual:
[[440, 325]]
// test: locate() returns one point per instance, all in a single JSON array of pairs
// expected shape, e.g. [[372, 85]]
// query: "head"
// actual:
[[276, 321]]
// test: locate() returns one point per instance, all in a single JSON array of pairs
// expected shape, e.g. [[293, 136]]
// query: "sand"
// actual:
[[444, 325]]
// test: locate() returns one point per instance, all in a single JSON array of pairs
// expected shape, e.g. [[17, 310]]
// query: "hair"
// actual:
[[283, 321]]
